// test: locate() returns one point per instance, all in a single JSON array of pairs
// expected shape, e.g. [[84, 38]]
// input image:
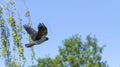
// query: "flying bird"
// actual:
[[37, 37]]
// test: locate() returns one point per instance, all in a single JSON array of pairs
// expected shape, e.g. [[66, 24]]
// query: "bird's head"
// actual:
[[46, 38]]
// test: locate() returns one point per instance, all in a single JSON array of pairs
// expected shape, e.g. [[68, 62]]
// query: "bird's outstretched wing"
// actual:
[[42, 31], [30, 31]]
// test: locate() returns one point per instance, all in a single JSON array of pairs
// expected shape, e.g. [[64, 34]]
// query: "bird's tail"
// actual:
[[29, 45]]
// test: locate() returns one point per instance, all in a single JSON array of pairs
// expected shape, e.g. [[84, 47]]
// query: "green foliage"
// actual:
[[14, 63], [11, 20], [11, 30], [27, 14], [11, 33], [4, 37], [76, 53]]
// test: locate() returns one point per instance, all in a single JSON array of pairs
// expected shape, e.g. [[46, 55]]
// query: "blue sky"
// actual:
[[65, 18]]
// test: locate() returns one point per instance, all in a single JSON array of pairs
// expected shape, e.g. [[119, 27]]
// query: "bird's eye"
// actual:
[[46, 38]]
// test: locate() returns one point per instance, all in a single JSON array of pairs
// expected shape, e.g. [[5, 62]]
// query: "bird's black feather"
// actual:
[[30, 31], [42, 31]]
